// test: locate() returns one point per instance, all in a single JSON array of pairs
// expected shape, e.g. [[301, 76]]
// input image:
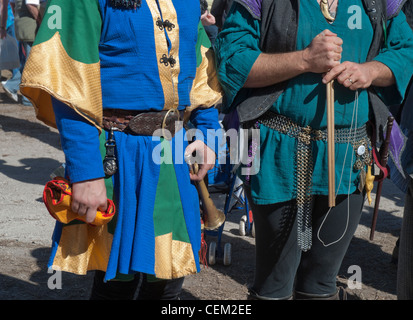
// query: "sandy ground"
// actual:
[[30, 151]]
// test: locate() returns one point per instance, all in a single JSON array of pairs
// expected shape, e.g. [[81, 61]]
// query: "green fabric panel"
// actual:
[[203, 40], [152, 278], [168, 213], [79, 24], [123, 277], [108, 181]]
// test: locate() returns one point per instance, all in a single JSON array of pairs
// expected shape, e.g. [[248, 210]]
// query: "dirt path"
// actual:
[[29, 151]]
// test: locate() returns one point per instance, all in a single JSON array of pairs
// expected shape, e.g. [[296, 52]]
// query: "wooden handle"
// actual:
[[330, 145]]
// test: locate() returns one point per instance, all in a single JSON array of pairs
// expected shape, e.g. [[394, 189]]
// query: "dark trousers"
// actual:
[[405, 257], [146, 288], [281, 267]]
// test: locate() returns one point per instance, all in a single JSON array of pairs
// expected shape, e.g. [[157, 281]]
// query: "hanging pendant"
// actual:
[[325, 11], [109, 163], [362, 180]]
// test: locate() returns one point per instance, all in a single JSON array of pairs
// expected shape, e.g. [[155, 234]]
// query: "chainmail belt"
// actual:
[[304, 163]]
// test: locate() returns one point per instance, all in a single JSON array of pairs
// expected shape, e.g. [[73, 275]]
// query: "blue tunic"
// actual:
[[132, 78]]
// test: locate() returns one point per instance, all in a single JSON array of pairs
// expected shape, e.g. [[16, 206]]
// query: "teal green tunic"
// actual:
[[304, 100]]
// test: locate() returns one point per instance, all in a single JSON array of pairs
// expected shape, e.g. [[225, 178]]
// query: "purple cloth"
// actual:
[[393, 7], [254, 6], [397, 145]]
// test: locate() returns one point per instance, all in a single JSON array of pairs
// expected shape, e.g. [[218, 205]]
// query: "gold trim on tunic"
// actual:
[[168, 75], [50, 71], [83, 247], [173, 259], [206, 89]]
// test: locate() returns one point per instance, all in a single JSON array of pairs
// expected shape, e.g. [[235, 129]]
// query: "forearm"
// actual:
[[270, 69], [323, 54], [381, 74]]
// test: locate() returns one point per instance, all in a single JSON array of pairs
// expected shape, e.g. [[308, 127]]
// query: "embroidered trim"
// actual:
[[125, 4]]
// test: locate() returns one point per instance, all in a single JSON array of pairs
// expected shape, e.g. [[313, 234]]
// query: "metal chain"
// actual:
[[304, 163]]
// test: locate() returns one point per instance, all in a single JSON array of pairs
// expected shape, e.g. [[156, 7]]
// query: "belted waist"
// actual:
[[361, 146], [158, 123], [306, 134]]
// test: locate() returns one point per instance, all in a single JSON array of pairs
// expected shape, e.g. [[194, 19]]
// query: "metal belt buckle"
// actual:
[[169, 135]]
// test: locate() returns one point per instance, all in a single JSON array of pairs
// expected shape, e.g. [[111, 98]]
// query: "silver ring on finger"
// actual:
[[351, 81]]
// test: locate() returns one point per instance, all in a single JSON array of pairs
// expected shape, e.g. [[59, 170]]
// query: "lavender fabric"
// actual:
[[393, 7], [253, 6], [397, 144]]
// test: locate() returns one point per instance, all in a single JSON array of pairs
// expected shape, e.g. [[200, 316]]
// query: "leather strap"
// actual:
[[162, 123]]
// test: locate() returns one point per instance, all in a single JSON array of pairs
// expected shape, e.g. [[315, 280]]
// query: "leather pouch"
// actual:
[[57, 196]]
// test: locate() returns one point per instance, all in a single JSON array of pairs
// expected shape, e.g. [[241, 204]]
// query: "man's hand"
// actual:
[[360, 76], [88, 197], [204, 157], [323, 53], [207, 19]]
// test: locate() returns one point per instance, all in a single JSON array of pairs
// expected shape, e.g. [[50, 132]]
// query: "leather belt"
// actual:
[[159, 123]]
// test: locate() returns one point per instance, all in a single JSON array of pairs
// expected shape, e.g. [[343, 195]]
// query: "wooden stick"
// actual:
[[330, 145], [384, 157]]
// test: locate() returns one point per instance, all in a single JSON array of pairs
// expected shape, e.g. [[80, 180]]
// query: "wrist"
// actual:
[[380, 74], [371, 69], [373, 72], [303, 61]]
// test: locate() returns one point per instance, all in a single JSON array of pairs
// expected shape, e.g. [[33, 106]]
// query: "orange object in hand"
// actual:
[[57, 196]]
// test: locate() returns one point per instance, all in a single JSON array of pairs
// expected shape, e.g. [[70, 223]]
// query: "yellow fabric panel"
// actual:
[[82, 248], [50, 71], [169, 13], [206, 89], [167, 75], [173, 259]]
